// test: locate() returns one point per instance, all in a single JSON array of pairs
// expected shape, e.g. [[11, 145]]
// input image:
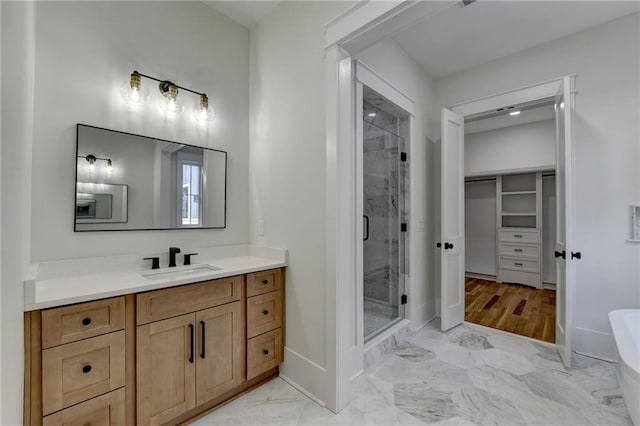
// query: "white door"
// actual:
[[564, 288], [452, 221]]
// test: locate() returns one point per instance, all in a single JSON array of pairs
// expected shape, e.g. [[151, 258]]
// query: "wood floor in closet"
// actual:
[[515, 308]]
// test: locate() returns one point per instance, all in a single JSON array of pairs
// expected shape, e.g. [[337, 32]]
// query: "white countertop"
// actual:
[[64, 290]]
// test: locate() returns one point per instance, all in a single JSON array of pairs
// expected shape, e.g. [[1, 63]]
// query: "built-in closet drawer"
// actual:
[[264, 313], [105, 410], [77, 371], [76, 322], [527, 265], [519, 250], [264, 352], [264, 282], [519, 235], [161, 304]]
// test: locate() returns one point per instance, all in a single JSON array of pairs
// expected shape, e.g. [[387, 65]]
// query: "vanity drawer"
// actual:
[[76, 322], [105, 410], [264, 313], [528, 265], [519, 235], [264, 282], [519, 250], [81, 370], [172, 302], [264, 352]]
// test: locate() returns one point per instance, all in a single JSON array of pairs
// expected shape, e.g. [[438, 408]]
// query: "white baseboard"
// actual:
[[487, 277], [595, 344], [548, 285], [304, 375]]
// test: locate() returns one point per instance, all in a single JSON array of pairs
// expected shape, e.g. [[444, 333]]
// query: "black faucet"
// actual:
[[172, 255]]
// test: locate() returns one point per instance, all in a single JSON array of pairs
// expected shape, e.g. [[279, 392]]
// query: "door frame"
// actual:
[[366, 76], [547, 89]]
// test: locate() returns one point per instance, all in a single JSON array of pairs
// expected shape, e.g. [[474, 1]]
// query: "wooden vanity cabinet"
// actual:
[[156, 358]]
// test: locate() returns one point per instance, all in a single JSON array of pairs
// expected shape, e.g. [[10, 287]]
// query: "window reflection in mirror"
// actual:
[[132, 182]]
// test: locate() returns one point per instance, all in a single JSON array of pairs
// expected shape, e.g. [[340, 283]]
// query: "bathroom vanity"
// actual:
[[153, 357]]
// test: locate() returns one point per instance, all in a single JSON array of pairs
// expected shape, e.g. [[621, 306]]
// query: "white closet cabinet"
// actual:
[[519, 228]]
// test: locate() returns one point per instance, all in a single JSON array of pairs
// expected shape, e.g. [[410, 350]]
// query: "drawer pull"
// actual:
[[86, 369], [517, 236], [86, 321], [265, 282], [518, 250], [265, 312], [265, 351], [517, 264]]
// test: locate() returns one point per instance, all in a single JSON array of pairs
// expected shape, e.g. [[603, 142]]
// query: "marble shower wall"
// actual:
[[383, 205]]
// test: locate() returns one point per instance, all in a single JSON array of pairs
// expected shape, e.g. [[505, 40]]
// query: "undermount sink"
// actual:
[[178, 273]]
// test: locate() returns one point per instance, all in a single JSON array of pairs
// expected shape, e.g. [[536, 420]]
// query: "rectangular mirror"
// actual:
[[127, 182]]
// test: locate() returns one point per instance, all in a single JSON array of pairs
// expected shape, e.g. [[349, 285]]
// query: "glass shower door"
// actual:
[[383, 208]]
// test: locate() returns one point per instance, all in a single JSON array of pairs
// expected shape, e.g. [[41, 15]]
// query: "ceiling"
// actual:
[[459, 38], [245, 13]]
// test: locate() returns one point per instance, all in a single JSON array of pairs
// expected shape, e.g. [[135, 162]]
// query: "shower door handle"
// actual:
[[366, 227]]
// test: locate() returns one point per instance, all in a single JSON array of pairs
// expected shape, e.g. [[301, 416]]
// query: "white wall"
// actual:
[[480, 227], [607, 176], [530, 145], [393, 64], [17, 119], [288, 172], [84, 52]]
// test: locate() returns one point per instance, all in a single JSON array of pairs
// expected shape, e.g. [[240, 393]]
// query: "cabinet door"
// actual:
[[220, 350], [165, 369]]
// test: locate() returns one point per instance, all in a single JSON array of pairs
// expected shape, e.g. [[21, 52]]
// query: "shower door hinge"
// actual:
[[403, 156], [403, 299], [403, 227]]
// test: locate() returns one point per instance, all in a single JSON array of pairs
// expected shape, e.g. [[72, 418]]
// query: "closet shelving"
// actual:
[[519, 233]]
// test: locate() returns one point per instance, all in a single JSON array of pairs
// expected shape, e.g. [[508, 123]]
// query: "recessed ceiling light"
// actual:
[[371, 114], [514, 113]]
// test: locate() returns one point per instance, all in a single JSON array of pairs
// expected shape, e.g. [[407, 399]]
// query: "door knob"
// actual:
[[576, 255], [448, 246], [439, 244], [558, 254]]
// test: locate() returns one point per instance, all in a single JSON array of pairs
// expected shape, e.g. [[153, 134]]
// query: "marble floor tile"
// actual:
[[463, 377], [506, 361], [486, 408], [424, 402]]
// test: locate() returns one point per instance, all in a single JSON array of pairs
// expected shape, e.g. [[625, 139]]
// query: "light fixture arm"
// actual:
[[165, 84]]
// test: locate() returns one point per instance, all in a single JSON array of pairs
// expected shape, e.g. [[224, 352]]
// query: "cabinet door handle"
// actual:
[[518, 250], [202, 350], [86, 321], [191, 343], [366, 227], [517, 264], [86, 369], [265, 312], [558, 254], [265, 282], [265, 351], [517, 236]]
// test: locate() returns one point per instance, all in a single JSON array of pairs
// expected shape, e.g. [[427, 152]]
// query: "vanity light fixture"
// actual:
[[134, 94], [91, 159]]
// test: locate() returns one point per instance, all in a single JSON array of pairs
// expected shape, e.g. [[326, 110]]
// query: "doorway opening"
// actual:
[[384, 209], [519, 255], [509, 208]]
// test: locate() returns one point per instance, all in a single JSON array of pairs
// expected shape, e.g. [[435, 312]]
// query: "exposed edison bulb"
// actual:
[[133, 92], [202, 112], [171, 104]]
